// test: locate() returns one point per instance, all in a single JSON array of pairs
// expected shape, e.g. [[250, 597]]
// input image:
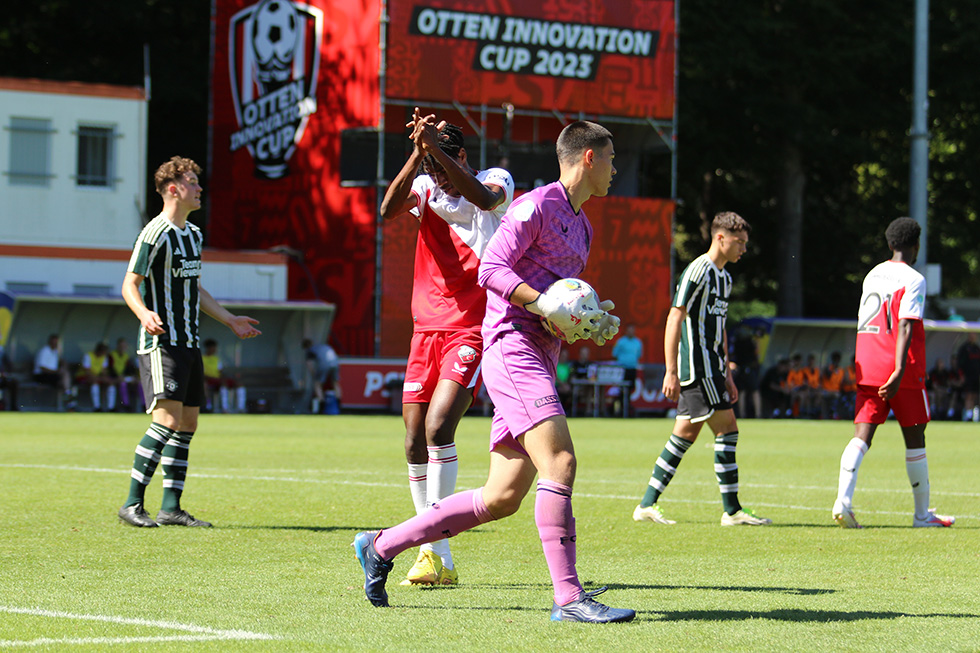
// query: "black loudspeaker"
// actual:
[[359, 156]]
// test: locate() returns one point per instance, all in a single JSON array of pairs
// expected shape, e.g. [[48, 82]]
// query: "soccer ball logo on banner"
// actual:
[[274, 62]]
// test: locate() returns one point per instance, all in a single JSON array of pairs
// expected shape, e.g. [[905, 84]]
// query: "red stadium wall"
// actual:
[[629, 263], [262, 194]]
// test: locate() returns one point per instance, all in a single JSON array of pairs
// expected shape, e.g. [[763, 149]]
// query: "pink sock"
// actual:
[[556, 526], [449, 517]]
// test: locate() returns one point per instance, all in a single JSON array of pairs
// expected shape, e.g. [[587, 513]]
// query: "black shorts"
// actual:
[[175, 373], [702, 398]]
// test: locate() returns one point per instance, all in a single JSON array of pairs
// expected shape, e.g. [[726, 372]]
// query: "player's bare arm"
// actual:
[[131, 293], [729, 379], [484, 196], [398, 199], [672, 343], [241, 325], [902, 344]]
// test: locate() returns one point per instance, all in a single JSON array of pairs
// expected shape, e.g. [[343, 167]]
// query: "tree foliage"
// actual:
[[831, 84]]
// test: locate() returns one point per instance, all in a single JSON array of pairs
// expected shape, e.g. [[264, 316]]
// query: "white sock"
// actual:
[[96, 396], [918, 470], [443, 468], [240, 396], [850, 461], [110, 398], [224, 399], [416, 484]]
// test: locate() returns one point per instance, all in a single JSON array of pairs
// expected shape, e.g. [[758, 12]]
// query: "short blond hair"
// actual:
[[173, 170]]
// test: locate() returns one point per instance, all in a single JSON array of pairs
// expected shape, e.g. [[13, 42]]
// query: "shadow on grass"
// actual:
[[795, 616], [312, 529], [817, 616], [795, 591]]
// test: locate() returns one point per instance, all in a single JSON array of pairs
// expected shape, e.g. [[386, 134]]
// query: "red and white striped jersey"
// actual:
[[453, 233], [892, 291]]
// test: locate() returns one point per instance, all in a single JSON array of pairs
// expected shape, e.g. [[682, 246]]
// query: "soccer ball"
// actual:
[[577, 296], [275, 28]]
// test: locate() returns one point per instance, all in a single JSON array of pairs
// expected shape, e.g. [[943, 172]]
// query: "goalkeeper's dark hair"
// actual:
[[902, 233], [730, 222], [578, 137]]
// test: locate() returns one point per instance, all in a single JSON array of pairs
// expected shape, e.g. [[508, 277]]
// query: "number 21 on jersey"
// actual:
[[875, 313]]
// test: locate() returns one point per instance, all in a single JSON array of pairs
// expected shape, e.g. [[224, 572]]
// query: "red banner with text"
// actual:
[[601, 57]]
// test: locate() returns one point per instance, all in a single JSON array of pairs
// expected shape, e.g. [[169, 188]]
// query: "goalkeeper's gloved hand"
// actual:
[[570, 327], [608, 324]]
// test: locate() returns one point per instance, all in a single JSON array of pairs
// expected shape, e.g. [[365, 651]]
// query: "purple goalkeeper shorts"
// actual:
[[520, 379]]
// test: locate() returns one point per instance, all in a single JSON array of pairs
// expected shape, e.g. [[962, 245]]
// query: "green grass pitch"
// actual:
[[287, 494]]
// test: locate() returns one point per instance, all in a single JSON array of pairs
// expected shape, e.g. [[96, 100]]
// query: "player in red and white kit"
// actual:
[[891, 372], [458, 210]]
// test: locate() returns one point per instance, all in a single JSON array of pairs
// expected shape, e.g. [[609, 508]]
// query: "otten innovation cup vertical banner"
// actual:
[[288, 77], [273, 60], [601, 57]]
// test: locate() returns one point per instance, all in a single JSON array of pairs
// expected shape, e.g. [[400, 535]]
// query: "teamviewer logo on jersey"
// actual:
[[274, 61]]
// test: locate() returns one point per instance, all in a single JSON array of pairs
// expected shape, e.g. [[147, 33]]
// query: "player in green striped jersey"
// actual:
[[162, 287], [698, 377]]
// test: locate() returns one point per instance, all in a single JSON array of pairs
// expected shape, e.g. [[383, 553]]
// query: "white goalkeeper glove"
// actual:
[[567, 326], [608, 324]]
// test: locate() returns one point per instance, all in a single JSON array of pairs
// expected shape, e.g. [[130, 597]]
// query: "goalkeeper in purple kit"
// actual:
[[543, 237]]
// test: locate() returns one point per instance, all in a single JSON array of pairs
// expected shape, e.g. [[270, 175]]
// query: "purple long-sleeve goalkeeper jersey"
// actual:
[[540, 240]]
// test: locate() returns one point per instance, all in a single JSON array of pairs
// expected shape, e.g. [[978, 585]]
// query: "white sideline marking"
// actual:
[[617, 497], [202, 633]]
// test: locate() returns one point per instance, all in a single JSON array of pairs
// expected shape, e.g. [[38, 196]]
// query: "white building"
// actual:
[[73, 179], [73, 195]]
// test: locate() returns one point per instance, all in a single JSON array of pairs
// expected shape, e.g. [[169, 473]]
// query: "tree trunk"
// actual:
[[791, 186]]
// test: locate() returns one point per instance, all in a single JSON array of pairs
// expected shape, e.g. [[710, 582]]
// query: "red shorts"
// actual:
[[437, 355], [910, 405]]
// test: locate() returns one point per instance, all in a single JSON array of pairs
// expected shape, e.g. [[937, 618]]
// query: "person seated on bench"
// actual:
[[8, 384], [322, 378], [123, 371], [94, 372], [214, 379], [51, 369]]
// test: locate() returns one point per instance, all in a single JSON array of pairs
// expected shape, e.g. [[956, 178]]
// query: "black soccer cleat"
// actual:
[[586, 609], [134, 515], [375, 568], [180, 518]]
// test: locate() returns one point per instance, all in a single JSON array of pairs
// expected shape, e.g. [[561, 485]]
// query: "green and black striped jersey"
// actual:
[[170, 260], [703, 290]]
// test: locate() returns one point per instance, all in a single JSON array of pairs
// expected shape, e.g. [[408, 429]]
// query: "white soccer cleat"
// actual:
[[933, 520], [844, 517], [651, 513], [744, 517]]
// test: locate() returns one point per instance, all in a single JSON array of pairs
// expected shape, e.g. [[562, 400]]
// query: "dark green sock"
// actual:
[[726, 471], [665, 469], [145, 461], [174, 463]]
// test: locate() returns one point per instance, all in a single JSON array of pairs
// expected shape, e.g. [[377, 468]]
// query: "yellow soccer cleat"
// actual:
[[425, 571], [447, 576]]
